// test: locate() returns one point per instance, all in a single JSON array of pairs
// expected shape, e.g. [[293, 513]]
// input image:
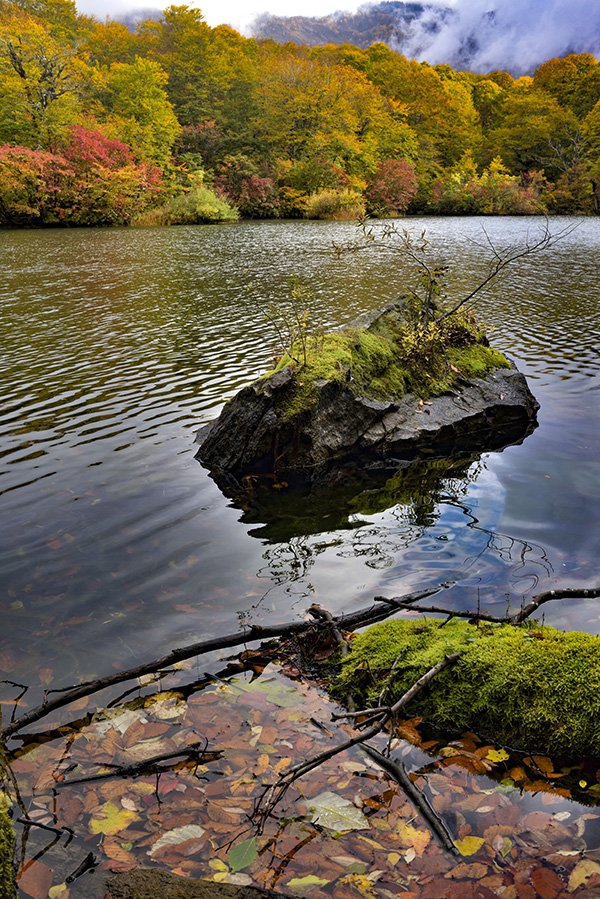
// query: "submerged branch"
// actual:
[[397, 771]]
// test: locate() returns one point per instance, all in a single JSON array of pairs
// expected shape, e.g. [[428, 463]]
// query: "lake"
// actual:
[[117, 345]]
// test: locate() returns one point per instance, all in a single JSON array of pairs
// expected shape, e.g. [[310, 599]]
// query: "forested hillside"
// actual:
[[180, 122]]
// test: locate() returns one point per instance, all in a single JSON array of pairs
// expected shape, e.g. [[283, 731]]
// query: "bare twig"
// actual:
[[547, 596], [397, 771]]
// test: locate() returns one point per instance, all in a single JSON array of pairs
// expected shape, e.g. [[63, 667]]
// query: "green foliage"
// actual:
[[7, 848], [197, 205], [531, 688], [318, 131], [334, 204], [463, 191]]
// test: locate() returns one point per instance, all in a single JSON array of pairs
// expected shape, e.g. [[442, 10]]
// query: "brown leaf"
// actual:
[[547, 883], [468, 872], [36, 880]]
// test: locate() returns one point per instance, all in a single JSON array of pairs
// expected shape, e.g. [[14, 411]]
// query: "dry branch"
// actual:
[[361, 618], [286, 779], [397, 771]]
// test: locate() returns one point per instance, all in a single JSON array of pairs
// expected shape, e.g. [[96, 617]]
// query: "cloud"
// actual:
[[507, 34]]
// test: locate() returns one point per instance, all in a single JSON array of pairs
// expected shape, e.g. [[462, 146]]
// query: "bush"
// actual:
[[199, 205], [91, 180], [392, 188], [335, 204]]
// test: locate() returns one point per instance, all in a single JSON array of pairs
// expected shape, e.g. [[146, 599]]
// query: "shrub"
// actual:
[[392, 188], [335, 204], [198, 205]]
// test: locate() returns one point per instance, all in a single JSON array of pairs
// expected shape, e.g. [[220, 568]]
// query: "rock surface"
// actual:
[[145, 883], [256, 435]]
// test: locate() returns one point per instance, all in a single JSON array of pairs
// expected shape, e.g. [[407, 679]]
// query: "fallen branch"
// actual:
[[547, 596], [278, 790], [351, 621], [148, 766], [397, 771]]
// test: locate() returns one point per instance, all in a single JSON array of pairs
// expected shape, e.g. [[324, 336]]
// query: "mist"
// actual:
[[516, 35]]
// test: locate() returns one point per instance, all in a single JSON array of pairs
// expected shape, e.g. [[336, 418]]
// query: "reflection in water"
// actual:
[[442, 515]]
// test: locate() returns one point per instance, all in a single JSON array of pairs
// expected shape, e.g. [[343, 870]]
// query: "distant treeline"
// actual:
[[179, 122]]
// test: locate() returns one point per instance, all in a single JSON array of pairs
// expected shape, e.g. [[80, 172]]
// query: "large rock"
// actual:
[[260, 432]]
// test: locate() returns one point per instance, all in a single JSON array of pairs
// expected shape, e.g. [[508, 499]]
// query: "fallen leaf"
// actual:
[[497, 755], [242, 855], [411, 838], [112, 819], [305, 884], [469, 845], [336, 813], [36, 880], [582, 872], [177, 836]]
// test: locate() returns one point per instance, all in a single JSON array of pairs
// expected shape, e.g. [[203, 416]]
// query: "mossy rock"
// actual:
[[367, 394], [7, 850], [530, 688]]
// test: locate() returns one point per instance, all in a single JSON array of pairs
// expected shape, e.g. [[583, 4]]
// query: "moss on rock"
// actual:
[[390, 358], [535, 690], [7, 848]]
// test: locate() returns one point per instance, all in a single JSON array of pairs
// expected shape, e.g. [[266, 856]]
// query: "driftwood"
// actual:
[[398, 772], [381, 608], [196, 752]]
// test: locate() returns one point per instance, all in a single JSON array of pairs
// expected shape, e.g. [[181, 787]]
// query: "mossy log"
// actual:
[[7, 853], [529, 688]]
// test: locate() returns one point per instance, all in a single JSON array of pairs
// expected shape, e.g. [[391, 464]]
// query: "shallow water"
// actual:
[[117, 345]]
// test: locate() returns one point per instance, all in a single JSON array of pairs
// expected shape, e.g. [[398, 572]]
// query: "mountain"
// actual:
[[389, 21], [468, 34]]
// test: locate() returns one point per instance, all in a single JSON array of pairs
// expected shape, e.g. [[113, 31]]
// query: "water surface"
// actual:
[[117, 345]]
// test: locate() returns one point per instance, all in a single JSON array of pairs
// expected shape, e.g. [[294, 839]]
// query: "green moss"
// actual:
[[7, 847], [476, 360], [388, 360], [532, 690]]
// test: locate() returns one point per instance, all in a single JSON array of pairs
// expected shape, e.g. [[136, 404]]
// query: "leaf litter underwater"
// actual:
[[525, 826]]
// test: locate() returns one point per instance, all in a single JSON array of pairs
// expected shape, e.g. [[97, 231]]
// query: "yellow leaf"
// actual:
[[59, 890], [113, 819], [393, 858], [469, 845], [411, 838], [217, 865], [582, 872], [497, 755], [361, 883]]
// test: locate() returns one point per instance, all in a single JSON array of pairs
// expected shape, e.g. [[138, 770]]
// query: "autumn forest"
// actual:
[[178, 122]]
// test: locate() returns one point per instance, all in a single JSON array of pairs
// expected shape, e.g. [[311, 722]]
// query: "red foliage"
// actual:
[[87, 148], [392, 188]]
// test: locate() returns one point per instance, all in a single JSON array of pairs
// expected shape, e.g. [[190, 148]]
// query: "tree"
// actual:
[[574, 81], [136, 100], [535, 131], [39, 82]]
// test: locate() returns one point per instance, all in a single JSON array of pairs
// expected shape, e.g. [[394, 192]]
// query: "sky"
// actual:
[[518, 35]]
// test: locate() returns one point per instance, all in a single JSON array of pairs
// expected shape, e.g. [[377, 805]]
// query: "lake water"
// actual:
[[117, 345]]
